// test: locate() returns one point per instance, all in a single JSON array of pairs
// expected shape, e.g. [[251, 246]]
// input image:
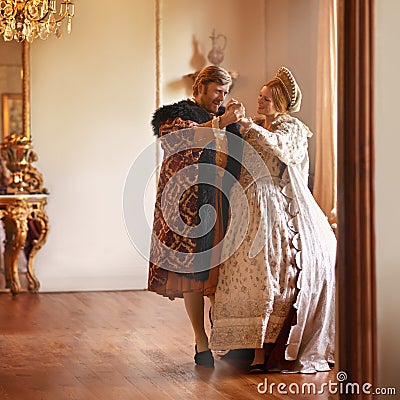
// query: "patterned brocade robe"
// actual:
[[171, 249]]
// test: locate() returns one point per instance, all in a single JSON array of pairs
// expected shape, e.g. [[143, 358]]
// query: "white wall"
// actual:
[[92, 98], [292, 33], [387, 189]]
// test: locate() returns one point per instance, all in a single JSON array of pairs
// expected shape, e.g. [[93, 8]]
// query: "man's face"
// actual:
[[211, 96]]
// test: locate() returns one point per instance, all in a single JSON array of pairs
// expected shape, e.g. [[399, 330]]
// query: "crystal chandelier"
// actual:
[[29, 19]]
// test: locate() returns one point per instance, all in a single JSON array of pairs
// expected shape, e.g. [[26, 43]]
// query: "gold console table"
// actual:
[[26, 226]]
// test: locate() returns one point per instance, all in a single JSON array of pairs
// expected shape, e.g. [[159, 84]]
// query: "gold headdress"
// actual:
[[291, 88]]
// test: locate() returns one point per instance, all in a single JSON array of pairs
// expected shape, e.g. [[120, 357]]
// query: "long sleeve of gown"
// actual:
[[288, 142]]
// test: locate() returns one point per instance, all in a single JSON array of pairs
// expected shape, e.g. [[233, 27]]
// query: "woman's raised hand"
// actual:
[[233, 113]]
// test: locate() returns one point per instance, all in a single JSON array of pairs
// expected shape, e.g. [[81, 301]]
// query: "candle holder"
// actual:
[[216, 54]]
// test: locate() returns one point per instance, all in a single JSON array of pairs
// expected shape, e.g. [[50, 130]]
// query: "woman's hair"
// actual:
[[286, 93], [279, 95], [210, 74]]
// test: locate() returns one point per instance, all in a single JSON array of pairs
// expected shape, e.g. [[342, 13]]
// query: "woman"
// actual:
[[275, 291]]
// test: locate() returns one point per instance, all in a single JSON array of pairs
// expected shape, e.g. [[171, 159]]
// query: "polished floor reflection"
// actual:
[[120, 346]]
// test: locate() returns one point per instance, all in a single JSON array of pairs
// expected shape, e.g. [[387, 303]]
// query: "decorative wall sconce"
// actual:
[[216, 55], [29, 19], [24, 177]]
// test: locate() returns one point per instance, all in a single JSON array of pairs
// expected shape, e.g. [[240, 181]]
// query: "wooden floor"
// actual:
[[131, 345]]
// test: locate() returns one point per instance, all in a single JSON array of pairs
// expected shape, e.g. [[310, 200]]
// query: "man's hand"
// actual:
[[233, 113]]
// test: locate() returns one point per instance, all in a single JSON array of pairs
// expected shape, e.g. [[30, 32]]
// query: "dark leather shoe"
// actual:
[[257, 369], [204, 358]]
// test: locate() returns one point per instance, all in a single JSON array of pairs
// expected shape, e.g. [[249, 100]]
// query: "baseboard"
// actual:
[[97, 283]]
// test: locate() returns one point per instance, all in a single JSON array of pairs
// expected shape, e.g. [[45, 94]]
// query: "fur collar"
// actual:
[[186, 109]]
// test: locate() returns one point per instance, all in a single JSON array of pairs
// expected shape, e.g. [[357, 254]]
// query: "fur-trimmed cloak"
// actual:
[[199, 194]]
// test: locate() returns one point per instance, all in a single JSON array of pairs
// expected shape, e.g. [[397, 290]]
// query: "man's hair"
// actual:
[[210, 74]]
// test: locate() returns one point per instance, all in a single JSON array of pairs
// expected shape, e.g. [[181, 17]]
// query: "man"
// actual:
[[184, 265]]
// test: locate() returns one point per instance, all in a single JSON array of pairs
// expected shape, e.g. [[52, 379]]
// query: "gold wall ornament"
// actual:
[[31, 19], [17, 151]]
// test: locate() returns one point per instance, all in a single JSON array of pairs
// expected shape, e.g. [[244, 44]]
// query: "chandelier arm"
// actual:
[[30, 17], [67, 12], [62, 17], [14, 6]]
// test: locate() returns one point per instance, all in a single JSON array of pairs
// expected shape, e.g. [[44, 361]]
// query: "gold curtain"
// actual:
[[326, 122]]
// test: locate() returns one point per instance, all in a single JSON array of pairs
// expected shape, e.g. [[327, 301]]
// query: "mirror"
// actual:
[[11, 88], [16, 148]]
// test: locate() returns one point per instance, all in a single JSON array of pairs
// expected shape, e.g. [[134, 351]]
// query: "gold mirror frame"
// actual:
[[26, 90]]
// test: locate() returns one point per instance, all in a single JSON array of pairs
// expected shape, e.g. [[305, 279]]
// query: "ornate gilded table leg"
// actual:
[[16, 228], [38, 220]]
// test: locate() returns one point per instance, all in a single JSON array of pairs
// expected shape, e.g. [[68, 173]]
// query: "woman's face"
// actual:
[[266, 105]]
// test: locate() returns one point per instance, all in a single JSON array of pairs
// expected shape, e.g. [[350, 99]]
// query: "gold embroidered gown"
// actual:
[[279, 253]]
